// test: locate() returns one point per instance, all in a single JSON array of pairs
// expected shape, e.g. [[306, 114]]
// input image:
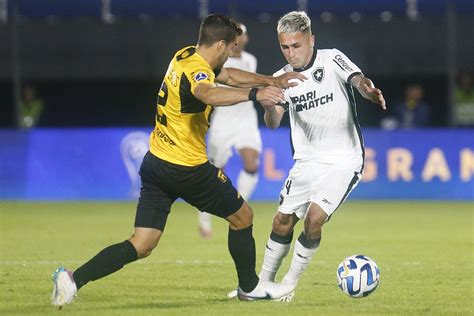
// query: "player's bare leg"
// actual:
[[242, 249], [108, 261], [145, 240], [307, 243], [248, 176]]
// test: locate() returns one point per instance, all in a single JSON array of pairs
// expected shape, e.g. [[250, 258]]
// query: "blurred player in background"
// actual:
[[326, 139], [464, 100], [31, 108], [177, 166], [235, 127], [411, 112]]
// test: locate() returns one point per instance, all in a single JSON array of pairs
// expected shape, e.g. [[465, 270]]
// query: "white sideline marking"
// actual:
[[413, 263]]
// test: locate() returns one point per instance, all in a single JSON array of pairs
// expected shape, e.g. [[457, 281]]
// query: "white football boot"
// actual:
[[267, 290], [64, 289], [232, 294], [290, 284]]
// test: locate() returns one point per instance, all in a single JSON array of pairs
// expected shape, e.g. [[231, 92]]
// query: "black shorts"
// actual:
[[204, 186]]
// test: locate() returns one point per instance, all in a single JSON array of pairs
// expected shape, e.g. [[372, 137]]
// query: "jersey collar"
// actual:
[[310, 64]]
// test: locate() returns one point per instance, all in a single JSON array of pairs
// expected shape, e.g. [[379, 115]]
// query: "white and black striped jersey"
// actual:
[[322, 110]]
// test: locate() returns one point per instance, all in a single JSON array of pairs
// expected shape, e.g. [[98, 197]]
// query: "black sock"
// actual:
[[242, 249], [309, 243], [106, 262], [285, 240]]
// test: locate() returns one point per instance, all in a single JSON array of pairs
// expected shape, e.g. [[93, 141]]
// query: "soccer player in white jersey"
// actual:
[[235, 127], [326, 140]]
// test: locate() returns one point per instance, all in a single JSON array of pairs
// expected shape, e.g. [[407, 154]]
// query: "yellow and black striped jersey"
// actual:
[[181, 119]]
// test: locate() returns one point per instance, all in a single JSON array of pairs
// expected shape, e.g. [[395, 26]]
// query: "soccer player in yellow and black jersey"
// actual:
[[177, 167]]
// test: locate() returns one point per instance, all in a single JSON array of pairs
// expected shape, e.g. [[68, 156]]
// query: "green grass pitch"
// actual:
[[424, 251]]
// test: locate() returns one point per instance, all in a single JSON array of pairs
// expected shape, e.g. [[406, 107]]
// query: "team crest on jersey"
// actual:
[[318, 74], [221, 176], [200, 76]]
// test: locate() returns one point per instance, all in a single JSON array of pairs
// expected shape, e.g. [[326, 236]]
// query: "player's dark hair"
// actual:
[[218, 27]]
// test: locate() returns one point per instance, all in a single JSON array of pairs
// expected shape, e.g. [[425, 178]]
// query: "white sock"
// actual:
[[301, 258], [205, 221], [275, 252], [246, 183]]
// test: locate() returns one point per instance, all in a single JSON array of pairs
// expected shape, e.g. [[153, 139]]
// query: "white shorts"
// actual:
[[324, 184], [239, 135]]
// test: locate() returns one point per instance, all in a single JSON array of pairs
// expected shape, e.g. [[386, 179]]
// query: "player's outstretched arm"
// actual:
[[224, 96], [244, 79], [366, 88], [273, 116]]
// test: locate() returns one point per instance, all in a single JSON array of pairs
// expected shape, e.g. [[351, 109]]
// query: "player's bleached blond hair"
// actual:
[[294, 21]]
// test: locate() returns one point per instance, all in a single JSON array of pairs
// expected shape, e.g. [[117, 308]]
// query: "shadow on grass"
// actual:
[[163, 296], [95, 306]]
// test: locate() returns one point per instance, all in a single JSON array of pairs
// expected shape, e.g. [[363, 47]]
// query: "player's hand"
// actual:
[[283, 81], [269, 96], [375, 95]]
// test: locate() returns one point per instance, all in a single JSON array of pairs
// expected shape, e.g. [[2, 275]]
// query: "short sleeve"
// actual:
[[345, 68], [197, 73]]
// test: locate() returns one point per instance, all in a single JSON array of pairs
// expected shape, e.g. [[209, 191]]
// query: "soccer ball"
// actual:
[[358, 276]]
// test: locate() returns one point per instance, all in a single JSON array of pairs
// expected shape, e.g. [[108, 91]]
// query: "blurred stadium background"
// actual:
[[99, 63], [94, 68]]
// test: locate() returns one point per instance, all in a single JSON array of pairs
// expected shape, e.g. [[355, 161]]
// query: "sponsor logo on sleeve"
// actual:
[[200, 76], [342, 63]]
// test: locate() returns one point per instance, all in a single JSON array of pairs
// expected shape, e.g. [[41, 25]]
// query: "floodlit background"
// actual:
[[99, 63]]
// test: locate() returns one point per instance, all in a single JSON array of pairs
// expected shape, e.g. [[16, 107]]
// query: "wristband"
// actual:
[[253, 94]]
